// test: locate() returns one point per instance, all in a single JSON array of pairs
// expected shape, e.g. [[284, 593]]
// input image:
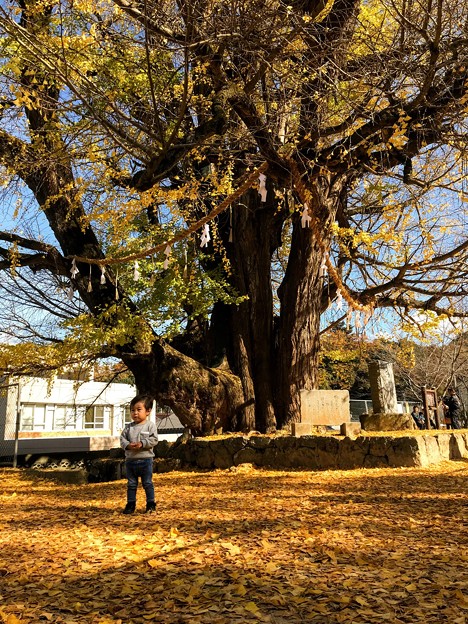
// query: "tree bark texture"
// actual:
[[300, 294]]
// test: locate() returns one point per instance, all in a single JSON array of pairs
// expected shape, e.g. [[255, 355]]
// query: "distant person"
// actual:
[[418, 417], [138, 439], [453, 409]]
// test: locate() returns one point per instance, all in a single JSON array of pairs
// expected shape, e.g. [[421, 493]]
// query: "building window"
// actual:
[[94, 417], [33, 418], [64, 417], [127, 417]]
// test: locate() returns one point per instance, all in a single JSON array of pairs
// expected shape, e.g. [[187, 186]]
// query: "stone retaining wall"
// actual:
[[307, 452]]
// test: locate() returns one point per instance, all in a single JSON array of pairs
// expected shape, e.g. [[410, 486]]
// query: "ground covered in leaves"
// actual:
[[245, 545]]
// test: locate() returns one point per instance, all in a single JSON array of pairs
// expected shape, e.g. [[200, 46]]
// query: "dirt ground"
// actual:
[[241, 545]]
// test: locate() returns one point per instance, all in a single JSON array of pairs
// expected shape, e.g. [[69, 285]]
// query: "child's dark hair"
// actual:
[[146, 399]]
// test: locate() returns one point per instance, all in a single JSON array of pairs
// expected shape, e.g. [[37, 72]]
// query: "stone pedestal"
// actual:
[[387, 422], [350, 429], [383, 391], [301, 428]]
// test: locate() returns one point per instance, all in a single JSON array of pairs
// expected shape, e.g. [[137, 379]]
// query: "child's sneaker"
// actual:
[[129, 508], [150, 507]]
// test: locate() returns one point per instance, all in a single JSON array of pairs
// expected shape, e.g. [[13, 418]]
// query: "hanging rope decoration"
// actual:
[[136, 271], [262, 190], [257, 176], [323, 267], [90, 283], [248, 181], [74, 269], [357, 320], [185, 271], [205, 236], [305, 217], [339, 299], [230, 225], [167, 253]]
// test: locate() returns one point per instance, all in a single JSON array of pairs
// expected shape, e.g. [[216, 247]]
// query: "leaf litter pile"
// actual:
[[241, 545]]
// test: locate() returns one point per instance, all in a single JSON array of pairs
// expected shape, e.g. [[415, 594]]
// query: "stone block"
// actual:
[[301, 428], [432, 450], [406, 452], [457, 445], [163, 464], [352, 453], [378, 447], [309, 441], [325, 407], [350, 429], [235, 444], [272, 457], [105, 469], [327, 452], [117, 453], [248, 455], [285, 460], [444, 446], [286, 443], [375, 461], [259, 441], [387, 422], [303, 457], [224, 450], [162, 448], [71, 477], [185, 452], [222, 458], [204, 456]]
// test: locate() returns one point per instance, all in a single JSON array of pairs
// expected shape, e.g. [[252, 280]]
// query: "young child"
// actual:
[[418, 417], [138, 439]]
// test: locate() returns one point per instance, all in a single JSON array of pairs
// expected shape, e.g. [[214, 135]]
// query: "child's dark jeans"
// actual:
[[142, 468]]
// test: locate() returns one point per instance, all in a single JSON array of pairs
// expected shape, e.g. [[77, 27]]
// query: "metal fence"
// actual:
[[364, 406], [8, 427]]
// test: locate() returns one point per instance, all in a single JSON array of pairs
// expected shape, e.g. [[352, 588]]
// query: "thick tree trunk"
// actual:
[[298, 325], [205, 399], [301, 306], [255, 236]]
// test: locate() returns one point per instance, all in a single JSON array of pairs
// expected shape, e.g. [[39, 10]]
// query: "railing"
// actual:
[[364, 406]]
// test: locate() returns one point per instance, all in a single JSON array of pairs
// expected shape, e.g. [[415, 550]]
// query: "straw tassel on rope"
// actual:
[[90, 283], [167, 253]]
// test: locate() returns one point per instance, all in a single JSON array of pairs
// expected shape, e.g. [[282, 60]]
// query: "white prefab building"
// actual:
[[39, 416]]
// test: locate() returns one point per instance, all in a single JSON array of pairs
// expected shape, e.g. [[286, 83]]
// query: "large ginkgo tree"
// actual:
[[189, 185]]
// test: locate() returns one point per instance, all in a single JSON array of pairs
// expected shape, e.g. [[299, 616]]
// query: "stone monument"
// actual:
[[383, 391], [385, 416], [322, 408]]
